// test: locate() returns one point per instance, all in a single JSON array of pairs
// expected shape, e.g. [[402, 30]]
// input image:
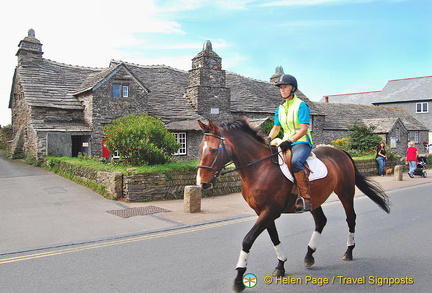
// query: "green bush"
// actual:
[[5, 136], [362, 139], [141, 140], [267, 126]]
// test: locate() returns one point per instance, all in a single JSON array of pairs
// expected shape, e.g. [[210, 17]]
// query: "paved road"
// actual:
[[57, 236], [202, 258], [39, 208]]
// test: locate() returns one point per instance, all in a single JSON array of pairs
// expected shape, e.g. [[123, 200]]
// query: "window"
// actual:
[[125, 91], [416, 136], [181, 138], [397, 134], [422, 107], [120, 91]]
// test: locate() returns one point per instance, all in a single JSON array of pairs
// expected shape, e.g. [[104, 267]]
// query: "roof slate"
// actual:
[[407, 89], [52, 84], [346, 114]]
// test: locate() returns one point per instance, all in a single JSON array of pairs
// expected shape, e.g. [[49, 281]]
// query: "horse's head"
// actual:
[[214, 155]]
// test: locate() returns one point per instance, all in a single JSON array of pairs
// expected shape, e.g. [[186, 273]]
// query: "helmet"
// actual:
[[287, 79]]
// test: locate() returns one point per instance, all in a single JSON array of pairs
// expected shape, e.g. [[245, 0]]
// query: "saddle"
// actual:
[[316, 168]]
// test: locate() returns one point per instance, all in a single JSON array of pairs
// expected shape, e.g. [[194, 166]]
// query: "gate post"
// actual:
[[192, 199], [398, 172]]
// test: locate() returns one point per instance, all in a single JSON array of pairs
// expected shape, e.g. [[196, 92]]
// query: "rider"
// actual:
[[294, 118]]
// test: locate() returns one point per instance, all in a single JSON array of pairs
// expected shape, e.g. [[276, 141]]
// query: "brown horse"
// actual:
[[269, 192]]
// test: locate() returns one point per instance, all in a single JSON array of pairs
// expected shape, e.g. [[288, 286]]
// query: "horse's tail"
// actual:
[[371, 188]]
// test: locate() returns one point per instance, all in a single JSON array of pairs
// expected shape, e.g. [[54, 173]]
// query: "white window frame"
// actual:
[[416, 136], [125, 91], [422, 107], [181, 137]]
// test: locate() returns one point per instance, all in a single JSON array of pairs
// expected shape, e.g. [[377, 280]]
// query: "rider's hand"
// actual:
[[286, 145], [268, 139]]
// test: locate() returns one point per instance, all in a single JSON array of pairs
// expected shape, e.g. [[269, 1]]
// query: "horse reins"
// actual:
[[222, 147]]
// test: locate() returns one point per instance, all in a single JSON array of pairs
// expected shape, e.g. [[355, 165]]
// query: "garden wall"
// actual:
[[163, 186]]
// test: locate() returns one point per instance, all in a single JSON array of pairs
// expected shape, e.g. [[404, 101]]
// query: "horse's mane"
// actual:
[[243, 126]]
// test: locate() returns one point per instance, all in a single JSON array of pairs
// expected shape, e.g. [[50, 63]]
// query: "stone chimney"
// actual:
[[30, 49], [207, 91], [278, 72]]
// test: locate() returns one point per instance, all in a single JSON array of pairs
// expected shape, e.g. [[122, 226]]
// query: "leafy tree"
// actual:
[[141, 140], [267, 126], [362, 139]]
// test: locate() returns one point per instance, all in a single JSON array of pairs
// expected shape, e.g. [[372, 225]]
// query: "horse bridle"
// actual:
[[222, 147]]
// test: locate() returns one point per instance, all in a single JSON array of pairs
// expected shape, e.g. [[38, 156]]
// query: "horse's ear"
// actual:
[[203, 126], [213, 127]]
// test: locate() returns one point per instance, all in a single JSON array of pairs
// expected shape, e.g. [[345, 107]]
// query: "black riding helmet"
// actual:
[[287, 79]]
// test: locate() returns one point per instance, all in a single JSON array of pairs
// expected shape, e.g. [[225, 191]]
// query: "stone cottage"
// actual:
[[60, 109], [394, 125], [412, 94]]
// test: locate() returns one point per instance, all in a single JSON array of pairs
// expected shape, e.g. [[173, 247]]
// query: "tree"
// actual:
[[362, 139], [141, 140]]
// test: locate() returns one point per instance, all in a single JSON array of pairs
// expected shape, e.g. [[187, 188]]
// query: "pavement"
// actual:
[[39, 209]]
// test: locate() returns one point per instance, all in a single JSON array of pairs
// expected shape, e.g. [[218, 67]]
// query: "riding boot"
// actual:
[[303, 203]]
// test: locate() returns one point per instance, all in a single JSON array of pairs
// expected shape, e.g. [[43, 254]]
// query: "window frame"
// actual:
[[424, 107], [120, 90], [181, 137]]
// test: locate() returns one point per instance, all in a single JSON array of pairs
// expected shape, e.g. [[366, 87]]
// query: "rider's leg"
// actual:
[[300, 153]]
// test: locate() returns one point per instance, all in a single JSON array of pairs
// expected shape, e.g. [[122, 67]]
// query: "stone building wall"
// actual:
[[106, 108]]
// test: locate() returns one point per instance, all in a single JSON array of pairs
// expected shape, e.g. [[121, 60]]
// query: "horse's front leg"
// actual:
[[320, 222], [261, 224], [280, 269]]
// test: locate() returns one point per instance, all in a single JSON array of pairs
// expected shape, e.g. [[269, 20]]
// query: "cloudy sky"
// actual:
[[331, 46]]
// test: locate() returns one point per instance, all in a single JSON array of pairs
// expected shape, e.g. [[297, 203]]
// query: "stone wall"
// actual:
[[112, 181], [164, 186]]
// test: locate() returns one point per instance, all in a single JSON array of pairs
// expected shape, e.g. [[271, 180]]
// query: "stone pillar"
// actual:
[[398, 170], [192, 199]]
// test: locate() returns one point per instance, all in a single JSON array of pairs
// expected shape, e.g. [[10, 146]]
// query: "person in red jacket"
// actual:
[[411, 158]]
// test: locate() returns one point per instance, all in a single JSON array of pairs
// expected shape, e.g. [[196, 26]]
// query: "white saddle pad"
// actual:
[[316, 165]]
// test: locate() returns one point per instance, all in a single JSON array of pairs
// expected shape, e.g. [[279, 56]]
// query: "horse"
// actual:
[[269, 193]]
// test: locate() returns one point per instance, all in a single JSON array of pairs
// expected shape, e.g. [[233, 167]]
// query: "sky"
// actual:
[[330, 46]]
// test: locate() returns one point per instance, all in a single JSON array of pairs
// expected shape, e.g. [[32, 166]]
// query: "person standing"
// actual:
[[381, 158], [411, 158], [293, 117]]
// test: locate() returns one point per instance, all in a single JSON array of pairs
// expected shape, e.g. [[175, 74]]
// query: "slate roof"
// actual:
[[256, 96], [52, 84], [338, 118], [395, 91], [363, 98], [405, 90]]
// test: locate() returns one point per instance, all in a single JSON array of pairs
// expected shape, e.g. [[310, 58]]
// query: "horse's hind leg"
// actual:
[[279, 270], [320, 222]]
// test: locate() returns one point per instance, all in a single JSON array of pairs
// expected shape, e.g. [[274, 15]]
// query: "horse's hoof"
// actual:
[[239, 286], [347, 257], [309, 262], [278, 272]]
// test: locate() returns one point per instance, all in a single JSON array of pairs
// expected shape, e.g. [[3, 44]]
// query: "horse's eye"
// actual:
[[214, 151]]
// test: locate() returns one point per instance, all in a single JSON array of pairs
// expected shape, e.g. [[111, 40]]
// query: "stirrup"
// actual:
[[304, 207]]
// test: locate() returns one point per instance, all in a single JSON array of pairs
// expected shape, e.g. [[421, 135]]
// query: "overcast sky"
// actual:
[[330, 46]]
